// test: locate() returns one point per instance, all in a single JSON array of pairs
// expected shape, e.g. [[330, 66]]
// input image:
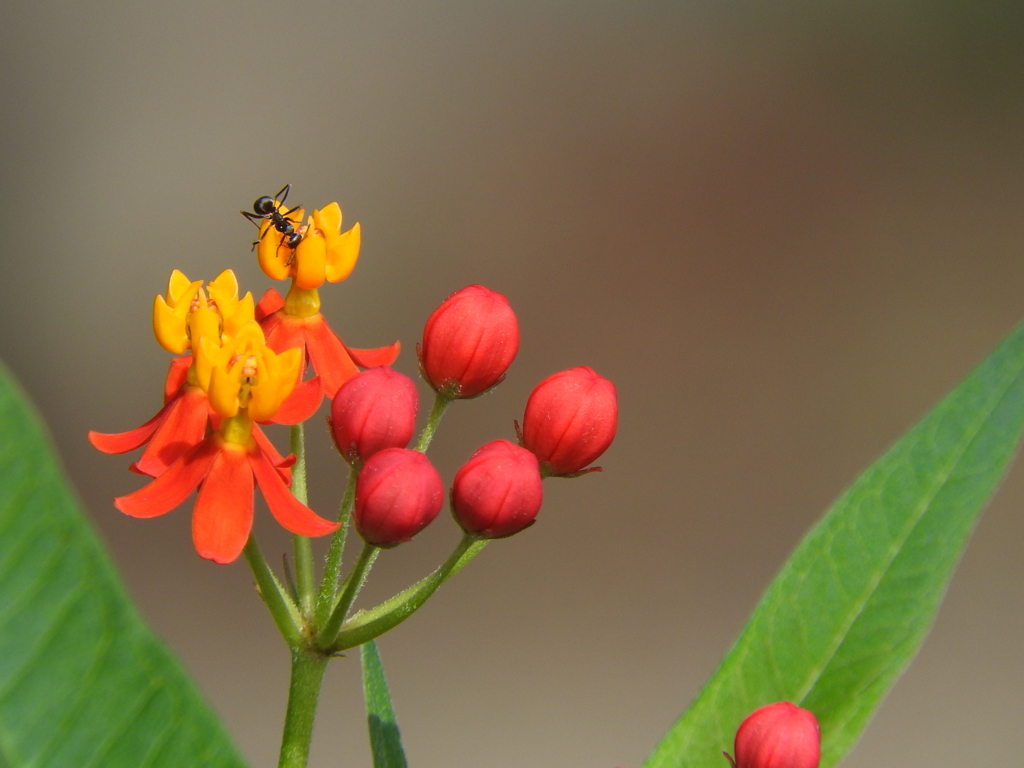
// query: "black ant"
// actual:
[[270, 208]]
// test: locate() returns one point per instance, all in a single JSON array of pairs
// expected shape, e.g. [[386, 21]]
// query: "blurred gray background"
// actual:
[[784, 230]]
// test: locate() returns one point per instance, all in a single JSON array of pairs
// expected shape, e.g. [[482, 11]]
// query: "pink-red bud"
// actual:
[[469, 342], [373, 410], [398, 493], [570, 420], [780, 735], [498, 491]]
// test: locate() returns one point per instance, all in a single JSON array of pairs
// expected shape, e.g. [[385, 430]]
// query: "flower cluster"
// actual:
[[240, 365]]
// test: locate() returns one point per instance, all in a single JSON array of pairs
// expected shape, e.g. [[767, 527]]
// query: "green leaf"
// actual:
[[853, 604], [385, 741], [83, 682]]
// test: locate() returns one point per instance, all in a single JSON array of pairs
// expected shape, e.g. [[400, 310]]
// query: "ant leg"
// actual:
[[259, 239], [282, 194]]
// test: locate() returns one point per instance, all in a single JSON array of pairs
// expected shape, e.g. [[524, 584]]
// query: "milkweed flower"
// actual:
[[248, 382], [780, 735], [469, 342], [324, 253], [180, 321], [570, 420], [189, 313]]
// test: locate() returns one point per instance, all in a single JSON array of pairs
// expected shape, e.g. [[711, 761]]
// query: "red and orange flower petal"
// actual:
[[281, 463], [183, 426], [373, 358], [269, 303], [301, 403], [177, 375], [328, 355], [222, 517], [291, 513], [173, 486], [122, 442]]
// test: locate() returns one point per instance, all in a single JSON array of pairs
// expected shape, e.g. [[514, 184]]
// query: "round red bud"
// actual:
[[398, 494], [780, 735], [469, 342], [570, 420], [497, 492], [373, 410]]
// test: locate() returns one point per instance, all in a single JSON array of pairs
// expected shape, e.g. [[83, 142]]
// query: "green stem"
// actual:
[[441, 403], [303, 694], [304, 579], [283, 610], [367, 625], [353, 583], [332, 565]]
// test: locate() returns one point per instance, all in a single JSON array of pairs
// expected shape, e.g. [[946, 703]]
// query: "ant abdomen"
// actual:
[[264, 206]]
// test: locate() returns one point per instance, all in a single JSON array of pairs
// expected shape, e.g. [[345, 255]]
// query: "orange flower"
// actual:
[[180, 322], [247, 382]]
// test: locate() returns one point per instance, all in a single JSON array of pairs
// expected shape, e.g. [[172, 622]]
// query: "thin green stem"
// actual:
[[332, 565], [441, 403], [353, 583], [283, 610], [370, 624], [304, 579], [303, 694]]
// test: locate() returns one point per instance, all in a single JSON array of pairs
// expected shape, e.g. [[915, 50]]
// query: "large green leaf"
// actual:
[[854, 602], [83, 682], [385, 740]]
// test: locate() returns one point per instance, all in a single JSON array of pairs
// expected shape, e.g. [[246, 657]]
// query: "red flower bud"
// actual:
[[469, 342], [373, 410], [498, 491], [398, 493], [570, 420], [778, 736]]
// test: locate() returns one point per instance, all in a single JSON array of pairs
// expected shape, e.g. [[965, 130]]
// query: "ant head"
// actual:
[[293, 240], [265, 206]]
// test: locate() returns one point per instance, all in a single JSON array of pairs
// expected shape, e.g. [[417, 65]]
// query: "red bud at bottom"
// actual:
[[780, 735]]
